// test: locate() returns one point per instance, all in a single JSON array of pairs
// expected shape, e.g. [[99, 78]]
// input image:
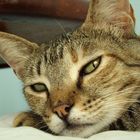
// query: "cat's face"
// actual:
[[84, 81], [78, 85]]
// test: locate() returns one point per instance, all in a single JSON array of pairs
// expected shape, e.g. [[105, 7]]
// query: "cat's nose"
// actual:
[[62, 110]]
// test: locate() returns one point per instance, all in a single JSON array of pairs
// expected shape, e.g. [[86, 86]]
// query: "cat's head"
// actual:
[[85, 80]]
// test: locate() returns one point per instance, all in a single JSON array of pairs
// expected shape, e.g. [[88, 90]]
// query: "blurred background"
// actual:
[[38, 21]]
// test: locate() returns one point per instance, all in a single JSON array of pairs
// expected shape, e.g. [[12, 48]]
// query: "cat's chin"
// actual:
[[75, 127], [83, 130]]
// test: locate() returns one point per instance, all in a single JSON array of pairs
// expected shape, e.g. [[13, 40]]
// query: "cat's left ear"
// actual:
[[16, 51], [116, 12]]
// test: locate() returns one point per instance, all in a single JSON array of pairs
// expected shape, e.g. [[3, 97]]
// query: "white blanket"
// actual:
[[28, 133]]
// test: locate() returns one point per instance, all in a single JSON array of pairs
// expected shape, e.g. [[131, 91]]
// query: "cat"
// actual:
[[85, 82]]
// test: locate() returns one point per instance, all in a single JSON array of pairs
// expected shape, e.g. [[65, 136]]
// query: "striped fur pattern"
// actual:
[[106, 99]]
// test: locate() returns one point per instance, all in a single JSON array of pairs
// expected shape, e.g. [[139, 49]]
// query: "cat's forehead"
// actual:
[[81, 43], [65, 56], [59, 59], [72, 48]]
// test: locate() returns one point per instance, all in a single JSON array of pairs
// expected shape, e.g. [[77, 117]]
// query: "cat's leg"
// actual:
[[29, 119]]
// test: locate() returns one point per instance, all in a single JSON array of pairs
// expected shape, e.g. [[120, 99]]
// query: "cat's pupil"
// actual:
[[39, 87]]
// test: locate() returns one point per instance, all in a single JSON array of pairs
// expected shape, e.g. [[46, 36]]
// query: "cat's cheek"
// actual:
[[56, 125], [36, 102], [79, 117]]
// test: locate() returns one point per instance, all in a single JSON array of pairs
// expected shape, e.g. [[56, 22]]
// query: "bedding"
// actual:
[[7, 132]]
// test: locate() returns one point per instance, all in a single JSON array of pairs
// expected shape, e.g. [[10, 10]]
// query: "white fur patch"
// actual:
[[56, 124]]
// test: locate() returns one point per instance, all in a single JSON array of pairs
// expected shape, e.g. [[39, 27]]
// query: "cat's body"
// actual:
[[87, 81]]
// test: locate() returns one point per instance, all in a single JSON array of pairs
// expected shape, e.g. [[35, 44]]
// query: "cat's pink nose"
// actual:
[[62, 110]]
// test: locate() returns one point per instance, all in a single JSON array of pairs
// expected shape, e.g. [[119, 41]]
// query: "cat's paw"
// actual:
[[27, 119]]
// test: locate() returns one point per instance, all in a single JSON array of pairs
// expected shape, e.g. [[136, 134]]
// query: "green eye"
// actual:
[[92, 66], [39, 87]]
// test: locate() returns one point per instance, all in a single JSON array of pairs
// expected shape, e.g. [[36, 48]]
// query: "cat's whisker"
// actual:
[[118, 103], [115, 108], [124, 110], [44, 126], [60, 25], [41, 122], [126, 101], [126, 94]]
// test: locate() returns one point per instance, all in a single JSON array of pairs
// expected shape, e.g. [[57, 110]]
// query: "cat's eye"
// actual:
[[91, 66], [39, 87]]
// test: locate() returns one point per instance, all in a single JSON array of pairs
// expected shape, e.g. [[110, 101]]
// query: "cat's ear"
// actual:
[[116, 12], [15, 51]]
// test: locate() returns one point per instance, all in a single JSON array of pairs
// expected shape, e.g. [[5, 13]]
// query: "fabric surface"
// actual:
[[7, 132]]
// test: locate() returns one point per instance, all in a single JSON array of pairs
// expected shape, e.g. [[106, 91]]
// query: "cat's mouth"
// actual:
[[68, 127]]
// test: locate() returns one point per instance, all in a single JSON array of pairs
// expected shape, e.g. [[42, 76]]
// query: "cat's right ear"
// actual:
[[116, 12], [15, 51]]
